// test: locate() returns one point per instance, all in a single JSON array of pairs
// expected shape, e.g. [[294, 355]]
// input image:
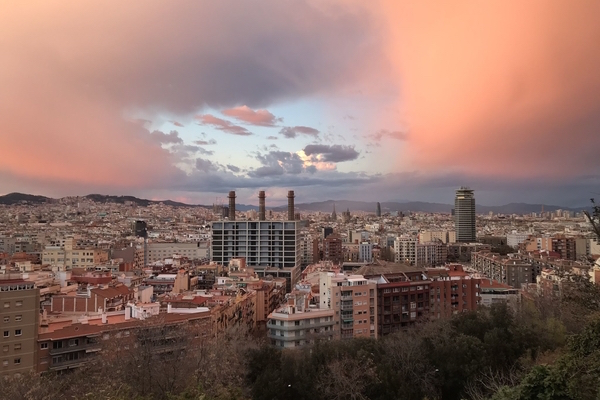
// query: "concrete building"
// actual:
[[72, 256], [565, 246], [493, 292], [365, 252], [432, 236], [159, 251], [431, 254], [514, 239], [19, 319], [353, 297], [333, 249], [402, 295], [464, 215], [452, 291], [262, 243], [510, 270], [299, 323], [405, 249]]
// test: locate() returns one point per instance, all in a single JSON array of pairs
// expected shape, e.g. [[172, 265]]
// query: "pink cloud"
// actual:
[[75, 73], [498, 88], [223, 125], [250, 116]]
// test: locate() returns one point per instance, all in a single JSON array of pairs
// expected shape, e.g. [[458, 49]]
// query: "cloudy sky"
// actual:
[[378, 100]]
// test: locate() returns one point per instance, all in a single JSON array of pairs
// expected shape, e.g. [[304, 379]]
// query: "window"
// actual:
[[5, 363], [18, 332], [17, 361], [5, 348], [6, 334], [19, 303], [6, 319], [44, 346], [18, 346], [6, 304], [18, 317]]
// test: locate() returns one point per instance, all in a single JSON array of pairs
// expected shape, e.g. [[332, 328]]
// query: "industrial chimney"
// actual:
[[232, 205], [290, 205], [261, 205]]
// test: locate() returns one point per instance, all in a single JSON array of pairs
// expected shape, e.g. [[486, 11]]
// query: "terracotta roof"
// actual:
[[383, 268], [491, 284]]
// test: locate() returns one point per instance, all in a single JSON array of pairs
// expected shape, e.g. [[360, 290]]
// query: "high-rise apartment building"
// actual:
[[464, 215], [19, 315], [406, 250], [261, 243], [333, 249], [354, 299], [365, 252], [266, 243]]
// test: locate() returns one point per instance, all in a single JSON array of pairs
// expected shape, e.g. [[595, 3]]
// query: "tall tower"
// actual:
[[333, 214], [464, 215], [231, 205], [378, 210], [261, 205], [290, 198]]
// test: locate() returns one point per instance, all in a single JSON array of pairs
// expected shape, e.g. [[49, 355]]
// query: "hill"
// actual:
[[16, 198]]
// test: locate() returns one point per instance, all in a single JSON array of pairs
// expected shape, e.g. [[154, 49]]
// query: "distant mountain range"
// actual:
[[322, 206], [17, 198], [421, 206]]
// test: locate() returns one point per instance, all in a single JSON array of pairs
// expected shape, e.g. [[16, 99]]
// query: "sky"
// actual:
[[344, 99]]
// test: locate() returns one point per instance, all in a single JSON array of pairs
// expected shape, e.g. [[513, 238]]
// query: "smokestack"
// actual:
[[261, 205], [290, 205], [232, 205]]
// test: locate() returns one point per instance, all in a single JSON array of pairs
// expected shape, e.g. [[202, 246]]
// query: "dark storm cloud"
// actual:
[[277, 163], [166, 138], [335, 153], [205, 165], [291, 132]]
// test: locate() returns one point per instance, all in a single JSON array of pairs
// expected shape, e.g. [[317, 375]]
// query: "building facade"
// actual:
[[464, 215], [264, 243], [19, 319]]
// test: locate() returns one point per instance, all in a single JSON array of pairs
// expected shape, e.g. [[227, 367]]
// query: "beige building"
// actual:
[[159, 251], [432, 236], [71, 256], [299, 323], [19, 316], [354, 300]]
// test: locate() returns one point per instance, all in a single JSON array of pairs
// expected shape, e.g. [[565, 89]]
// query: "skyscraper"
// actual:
[[464, 215], [378, 210]]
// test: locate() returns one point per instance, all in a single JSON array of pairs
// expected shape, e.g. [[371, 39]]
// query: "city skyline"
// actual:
[[390, 101]]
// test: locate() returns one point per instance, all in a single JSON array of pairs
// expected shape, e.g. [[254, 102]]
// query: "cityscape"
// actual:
[[271, 200], [78, 273]]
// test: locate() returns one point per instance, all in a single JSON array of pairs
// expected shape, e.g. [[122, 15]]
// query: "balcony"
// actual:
[[69, 364], [88, 347]]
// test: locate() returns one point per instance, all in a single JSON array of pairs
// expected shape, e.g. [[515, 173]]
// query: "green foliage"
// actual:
[[490, 353]]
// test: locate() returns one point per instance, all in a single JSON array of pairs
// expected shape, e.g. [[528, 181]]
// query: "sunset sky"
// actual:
[[358, 100]]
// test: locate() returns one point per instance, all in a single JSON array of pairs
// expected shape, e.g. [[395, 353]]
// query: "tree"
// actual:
[[594, 218]]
